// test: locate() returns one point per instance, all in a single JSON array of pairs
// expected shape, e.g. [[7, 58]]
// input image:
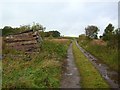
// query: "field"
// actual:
[[41, 64], [100, 49], [40, 70], [60, 40]]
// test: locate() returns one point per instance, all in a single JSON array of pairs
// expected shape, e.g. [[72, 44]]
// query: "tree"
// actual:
[[108, 32], [7, 30], [52, 33], [117, 37], [117, 31], [38, 27], [92, 31], [24, 28], [111, 36], [55, 33]]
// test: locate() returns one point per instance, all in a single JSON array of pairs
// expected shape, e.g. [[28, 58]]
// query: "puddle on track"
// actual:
[[110, 76]]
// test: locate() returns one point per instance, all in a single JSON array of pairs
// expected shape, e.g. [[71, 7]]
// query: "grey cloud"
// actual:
[[68, 18]]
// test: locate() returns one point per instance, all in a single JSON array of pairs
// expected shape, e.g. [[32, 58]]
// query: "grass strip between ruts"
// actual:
[[90, 77]]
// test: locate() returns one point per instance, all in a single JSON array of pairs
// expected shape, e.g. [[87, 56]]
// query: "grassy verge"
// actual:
[[0, 74], [105, 54], [43, 70], [90, 77], [0, 64]]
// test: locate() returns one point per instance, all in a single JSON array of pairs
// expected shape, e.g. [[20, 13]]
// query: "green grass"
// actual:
[[55, 49], [42, 71], [105, 54], [90, 77], [0, 63]]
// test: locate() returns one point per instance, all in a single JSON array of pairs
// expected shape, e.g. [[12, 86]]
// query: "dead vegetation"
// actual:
[[98, 42], [60, 40]]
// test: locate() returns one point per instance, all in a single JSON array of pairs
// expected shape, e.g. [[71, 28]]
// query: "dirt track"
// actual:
[[70, 78]]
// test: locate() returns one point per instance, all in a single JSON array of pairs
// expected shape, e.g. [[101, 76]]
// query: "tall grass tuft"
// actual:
[[104, 53], [42, 71]]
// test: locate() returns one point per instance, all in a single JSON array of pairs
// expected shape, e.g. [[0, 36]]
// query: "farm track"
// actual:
[[110, 76], [70, 77]]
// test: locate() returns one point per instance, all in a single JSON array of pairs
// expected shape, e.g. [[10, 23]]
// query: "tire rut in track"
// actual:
[[70, 77]]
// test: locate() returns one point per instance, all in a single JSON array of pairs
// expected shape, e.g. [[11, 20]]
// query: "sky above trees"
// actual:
[[70, 17]]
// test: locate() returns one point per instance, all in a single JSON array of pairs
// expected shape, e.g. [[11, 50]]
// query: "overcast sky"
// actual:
[[70, 17]]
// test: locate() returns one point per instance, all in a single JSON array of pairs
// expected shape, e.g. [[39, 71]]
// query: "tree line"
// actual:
[[8, 30], [110, 35]]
